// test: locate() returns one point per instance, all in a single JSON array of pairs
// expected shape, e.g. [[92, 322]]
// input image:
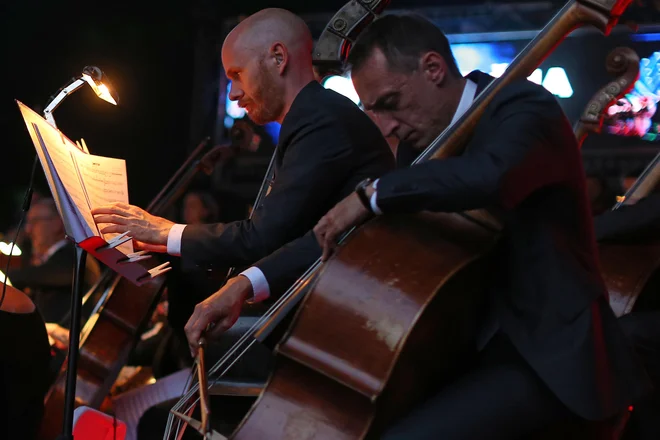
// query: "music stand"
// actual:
[[93, 76]]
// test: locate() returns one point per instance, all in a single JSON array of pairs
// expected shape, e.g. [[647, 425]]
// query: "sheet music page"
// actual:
[[73, 225], [55, 152], [104, 180]]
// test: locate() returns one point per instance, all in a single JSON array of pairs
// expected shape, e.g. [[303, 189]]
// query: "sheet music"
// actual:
[[104, 181], [73, 226], [56, 152], [80, 182]]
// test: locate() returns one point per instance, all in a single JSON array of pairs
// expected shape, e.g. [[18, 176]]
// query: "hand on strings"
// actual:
[[221, 310], [142, 226], [346, 214]]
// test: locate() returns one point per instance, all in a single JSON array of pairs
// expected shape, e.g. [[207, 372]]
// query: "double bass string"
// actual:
[[264, 325], [265, 184], [170, 416], [248, 339]]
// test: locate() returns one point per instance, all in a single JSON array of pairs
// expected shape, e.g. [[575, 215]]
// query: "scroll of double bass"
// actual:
[[622, 63]]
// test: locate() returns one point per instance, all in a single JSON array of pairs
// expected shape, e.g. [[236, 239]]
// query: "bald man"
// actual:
[[327, 146]]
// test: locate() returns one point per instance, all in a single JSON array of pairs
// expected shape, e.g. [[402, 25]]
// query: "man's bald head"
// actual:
[[260, 31], [268, 58]]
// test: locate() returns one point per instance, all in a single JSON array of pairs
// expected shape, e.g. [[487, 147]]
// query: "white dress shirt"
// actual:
[[51, 250], [259, 283]]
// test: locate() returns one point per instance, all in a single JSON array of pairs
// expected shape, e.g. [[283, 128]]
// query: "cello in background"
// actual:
[[357, 355], [629, 269]]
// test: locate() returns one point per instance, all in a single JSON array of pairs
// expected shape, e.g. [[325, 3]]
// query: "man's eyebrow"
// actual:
[[380, 102]]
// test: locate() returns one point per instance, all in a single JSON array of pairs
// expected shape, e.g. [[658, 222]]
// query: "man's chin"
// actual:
[[257, 119], [418, 144]]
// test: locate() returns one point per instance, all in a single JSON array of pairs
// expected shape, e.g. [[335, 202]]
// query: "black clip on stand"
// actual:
[[74, 344]]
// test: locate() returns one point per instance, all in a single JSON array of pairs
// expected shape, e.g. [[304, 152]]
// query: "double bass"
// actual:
[[348, 381]]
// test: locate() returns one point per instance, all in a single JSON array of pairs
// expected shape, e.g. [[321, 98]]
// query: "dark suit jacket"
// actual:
[[547, 293], [327, 146], [283, 267], [50, 283]]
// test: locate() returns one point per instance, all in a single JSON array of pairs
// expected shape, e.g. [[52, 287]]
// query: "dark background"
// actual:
[[162, 59]]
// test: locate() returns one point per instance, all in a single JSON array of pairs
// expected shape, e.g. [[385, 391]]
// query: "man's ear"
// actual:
[[280, 56], [434, 67]]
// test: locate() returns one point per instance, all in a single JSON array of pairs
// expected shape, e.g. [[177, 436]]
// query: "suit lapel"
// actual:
[[481, 79]]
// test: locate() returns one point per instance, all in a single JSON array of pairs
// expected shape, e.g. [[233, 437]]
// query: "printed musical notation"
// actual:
[[104, 181]]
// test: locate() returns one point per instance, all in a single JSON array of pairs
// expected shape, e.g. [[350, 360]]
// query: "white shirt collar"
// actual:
[[54, 248], [469, 91]]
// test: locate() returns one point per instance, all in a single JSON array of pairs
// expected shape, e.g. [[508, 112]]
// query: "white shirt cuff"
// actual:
[[260, 287], [174, 240], [372, 200]]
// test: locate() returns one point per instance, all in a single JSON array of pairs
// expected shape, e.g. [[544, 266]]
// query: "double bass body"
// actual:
[[364, 345]]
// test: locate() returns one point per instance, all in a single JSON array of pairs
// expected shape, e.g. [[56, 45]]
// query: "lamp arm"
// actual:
[[48, 112]]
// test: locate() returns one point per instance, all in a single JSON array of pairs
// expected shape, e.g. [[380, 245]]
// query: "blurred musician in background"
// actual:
[[48, 278]]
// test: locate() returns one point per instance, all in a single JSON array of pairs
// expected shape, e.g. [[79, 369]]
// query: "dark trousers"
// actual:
[[500, 398]]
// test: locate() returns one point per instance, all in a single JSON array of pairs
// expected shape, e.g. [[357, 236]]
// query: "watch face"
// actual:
[[364, 183]]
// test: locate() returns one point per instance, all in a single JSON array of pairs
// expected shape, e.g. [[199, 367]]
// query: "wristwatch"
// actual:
[[361, 191]]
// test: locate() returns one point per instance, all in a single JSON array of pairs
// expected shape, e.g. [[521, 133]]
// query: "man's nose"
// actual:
[[388, 126], [235, 93]]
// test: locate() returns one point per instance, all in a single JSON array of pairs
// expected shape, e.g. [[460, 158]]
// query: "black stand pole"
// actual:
[[74, 343]]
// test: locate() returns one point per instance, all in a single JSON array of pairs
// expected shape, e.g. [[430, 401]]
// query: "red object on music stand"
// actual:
[[90, 424]]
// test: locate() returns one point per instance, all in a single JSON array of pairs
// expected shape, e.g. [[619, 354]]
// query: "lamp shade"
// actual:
[[100, 83]]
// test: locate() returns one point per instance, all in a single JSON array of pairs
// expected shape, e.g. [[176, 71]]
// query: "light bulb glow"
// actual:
[[101, 90], [5, 248], [2, 278]]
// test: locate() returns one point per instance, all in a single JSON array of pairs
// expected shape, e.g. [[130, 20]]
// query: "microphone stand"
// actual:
[[74, 344]]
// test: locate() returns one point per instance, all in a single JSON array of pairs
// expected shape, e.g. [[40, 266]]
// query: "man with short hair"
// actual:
[[49, 277], [551, 348]]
